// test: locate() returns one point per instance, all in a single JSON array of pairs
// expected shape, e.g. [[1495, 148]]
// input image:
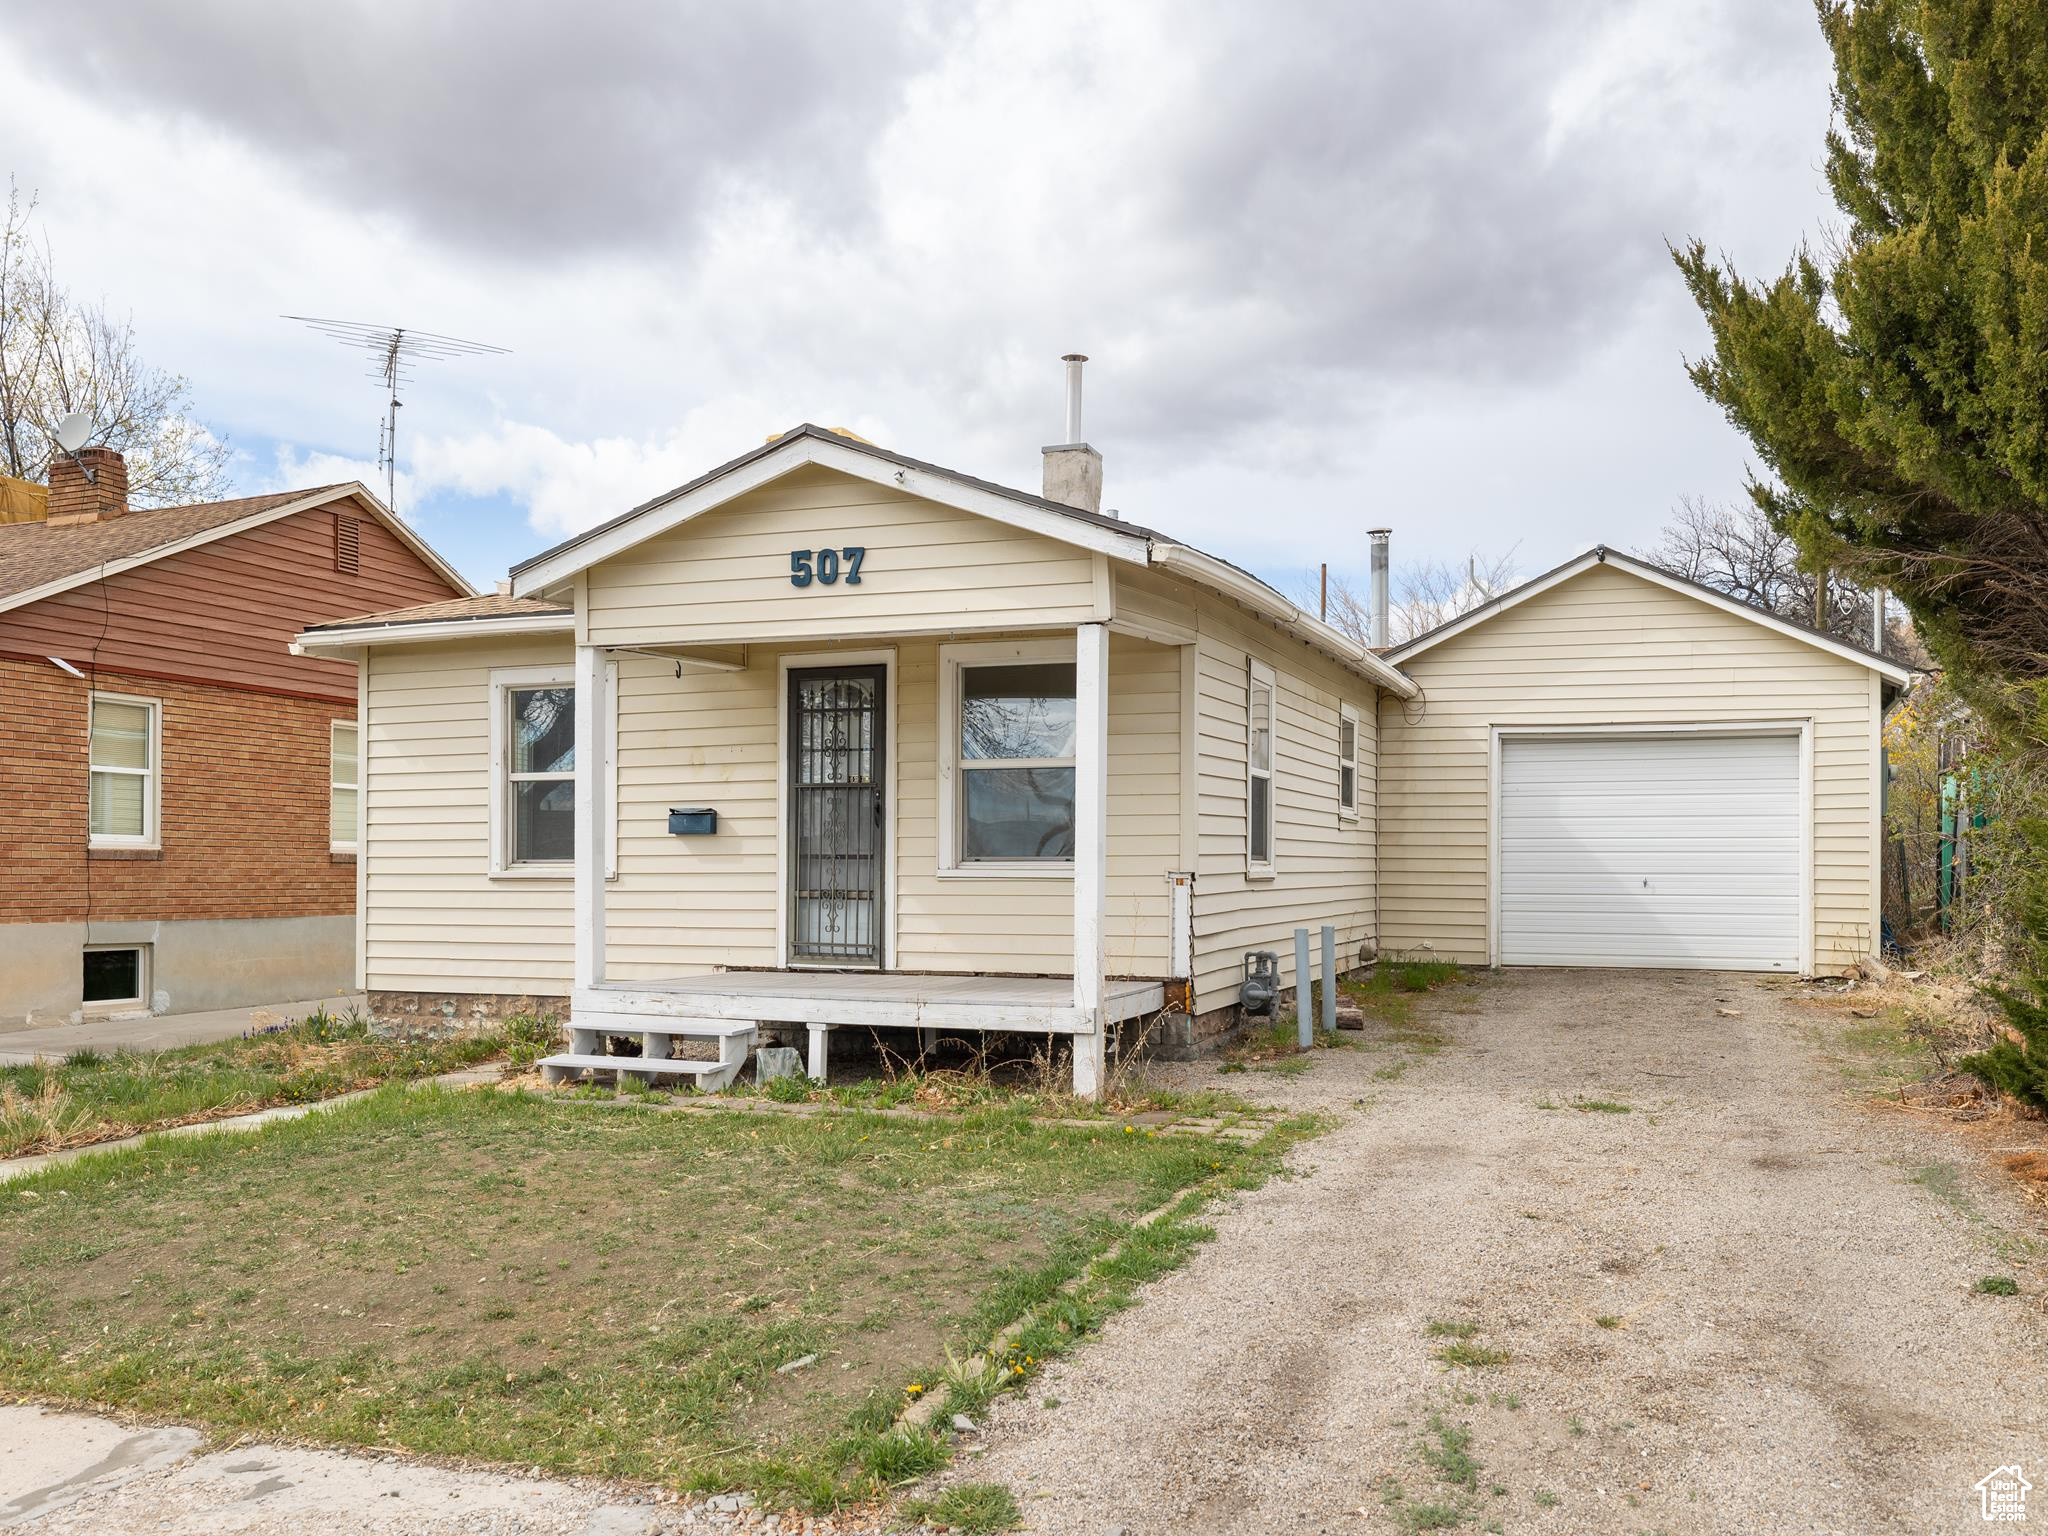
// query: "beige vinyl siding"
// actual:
[[434, 919], [696, 903], [1323, 861], [725, 576], [1608, 647]]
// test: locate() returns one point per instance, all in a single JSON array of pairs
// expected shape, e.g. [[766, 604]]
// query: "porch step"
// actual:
[[572, 1061], [584, 1062], [599, 1022]]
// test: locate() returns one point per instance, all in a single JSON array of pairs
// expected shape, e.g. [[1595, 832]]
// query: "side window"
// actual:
[[122, 786], [343, 789], [1347, 760], [1261, 730], [540, 778]]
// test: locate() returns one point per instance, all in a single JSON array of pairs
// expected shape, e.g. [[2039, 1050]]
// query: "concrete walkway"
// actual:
[[87, 1476], [51, 1042]]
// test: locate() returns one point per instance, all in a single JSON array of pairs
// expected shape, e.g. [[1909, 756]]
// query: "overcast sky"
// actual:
[[1337, 264]]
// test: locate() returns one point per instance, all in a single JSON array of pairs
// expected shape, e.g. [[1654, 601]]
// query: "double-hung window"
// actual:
[[1347, 760], [533, 753], [125, 759], [343, 788], [1008, 723], [1262, 725]]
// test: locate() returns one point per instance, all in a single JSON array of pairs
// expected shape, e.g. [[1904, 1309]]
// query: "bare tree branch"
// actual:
[[59, 355]]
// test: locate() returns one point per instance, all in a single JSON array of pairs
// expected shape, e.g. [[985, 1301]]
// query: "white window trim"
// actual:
[[118, 1005], [1257, 672], [1346, 714], [502, 681], [334, 728], [980, 654], [153, 791]]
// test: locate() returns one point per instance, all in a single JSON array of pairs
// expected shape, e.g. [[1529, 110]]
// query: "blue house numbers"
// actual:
[[825, 566]]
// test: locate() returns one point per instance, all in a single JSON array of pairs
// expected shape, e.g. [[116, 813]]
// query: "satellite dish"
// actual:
[[73, 428]]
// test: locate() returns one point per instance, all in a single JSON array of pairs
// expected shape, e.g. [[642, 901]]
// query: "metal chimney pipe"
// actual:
[[1074, 360], [1878, 598], [1379, 537]]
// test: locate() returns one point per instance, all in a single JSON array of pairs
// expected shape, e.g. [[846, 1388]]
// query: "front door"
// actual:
[[836, 815]]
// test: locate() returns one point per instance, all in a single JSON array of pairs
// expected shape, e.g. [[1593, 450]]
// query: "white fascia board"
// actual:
[[1268, 604], [316, 642], [1650, 573], [207, 536], [848, 459]]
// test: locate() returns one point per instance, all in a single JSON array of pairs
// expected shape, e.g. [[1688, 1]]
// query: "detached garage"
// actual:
[[1611, 766]]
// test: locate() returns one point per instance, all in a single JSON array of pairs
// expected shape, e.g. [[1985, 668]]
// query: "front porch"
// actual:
[[865, 999], [893, 861], [732, 1008]]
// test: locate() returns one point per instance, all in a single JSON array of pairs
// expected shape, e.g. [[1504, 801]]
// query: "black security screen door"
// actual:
[[836, 816]]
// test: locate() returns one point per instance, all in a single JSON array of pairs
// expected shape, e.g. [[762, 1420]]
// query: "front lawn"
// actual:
[[103, 1096], [709, 1300]]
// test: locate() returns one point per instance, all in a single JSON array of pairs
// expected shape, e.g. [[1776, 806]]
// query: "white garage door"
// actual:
[[1680, 850]]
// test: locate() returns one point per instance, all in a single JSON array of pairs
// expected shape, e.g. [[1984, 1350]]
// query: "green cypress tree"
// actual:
[[1895, 381]]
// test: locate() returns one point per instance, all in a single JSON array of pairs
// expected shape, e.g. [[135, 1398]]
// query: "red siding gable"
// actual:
[[226, 611]]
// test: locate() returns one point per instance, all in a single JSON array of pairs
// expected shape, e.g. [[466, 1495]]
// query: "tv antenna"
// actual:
[[393, 350]]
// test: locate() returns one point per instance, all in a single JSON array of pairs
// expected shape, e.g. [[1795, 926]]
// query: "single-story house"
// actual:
[[834, 737]]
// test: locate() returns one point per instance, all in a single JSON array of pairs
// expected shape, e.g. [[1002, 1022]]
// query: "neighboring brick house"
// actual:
[[177, 800]]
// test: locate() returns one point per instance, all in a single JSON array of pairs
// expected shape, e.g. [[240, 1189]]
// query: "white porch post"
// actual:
[[592, 781], [1091, 844]]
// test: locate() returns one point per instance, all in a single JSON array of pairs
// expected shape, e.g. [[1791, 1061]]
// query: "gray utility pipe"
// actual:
[[1379, 537], [1304, 993]]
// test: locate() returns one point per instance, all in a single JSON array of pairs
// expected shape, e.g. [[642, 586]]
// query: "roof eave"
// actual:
[[324, 640], [1223, 577]]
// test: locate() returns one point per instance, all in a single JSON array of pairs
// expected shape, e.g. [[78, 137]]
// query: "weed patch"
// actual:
[[974, 1509], [105, 1096], [1998, 1285]]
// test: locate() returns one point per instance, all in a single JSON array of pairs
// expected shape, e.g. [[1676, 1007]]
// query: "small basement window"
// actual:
[[116, 976]]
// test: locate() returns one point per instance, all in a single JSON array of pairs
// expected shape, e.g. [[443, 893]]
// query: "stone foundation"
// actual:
[[436, 1014]]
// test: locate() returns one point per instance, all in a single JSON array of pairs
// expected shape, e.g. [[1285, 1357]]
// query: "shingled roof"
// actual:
[[495, 605], [35, 554]]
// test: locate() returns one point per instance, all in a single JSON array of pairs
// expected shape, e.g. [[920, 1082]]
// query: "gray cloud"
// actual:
[[522, 127]]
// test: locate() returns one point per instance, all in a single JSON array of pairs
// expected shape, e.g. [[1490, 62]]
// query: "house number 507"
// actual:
[[825, 565]]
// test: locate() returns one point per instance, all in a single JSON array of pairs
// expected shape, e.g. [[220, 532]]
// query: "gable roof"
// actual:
[[1600, 554], [808, 443], [39, 561]]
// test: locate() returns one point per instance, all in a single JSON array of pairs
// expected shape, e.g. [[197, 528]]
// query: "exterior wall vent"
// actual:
[[348, 543]]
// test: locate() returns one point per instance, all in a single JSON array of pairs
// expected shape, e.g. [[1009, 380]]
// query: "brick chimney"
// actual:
[[75, 499]]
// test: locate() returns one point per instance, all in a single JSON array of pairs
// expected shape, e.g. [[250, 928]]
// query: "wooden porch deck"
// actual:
[[892, 999]]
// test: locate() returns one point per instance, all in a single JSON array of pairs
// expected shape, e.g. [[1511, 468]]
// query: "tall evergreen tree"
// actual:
[[1896, 384]]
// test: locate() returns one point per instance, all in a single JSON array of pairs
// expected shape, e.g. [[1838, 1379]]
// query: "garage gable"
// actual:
[[1602, 558], [1603, 653]]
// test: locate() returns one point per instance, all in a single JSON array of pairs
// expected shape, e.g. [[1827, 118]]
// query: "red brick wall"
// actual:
[[243, 806]]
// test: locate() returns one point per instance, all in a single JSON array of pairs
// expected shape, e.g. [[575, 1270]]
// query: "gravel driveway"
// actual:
[[1742, 1306]]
